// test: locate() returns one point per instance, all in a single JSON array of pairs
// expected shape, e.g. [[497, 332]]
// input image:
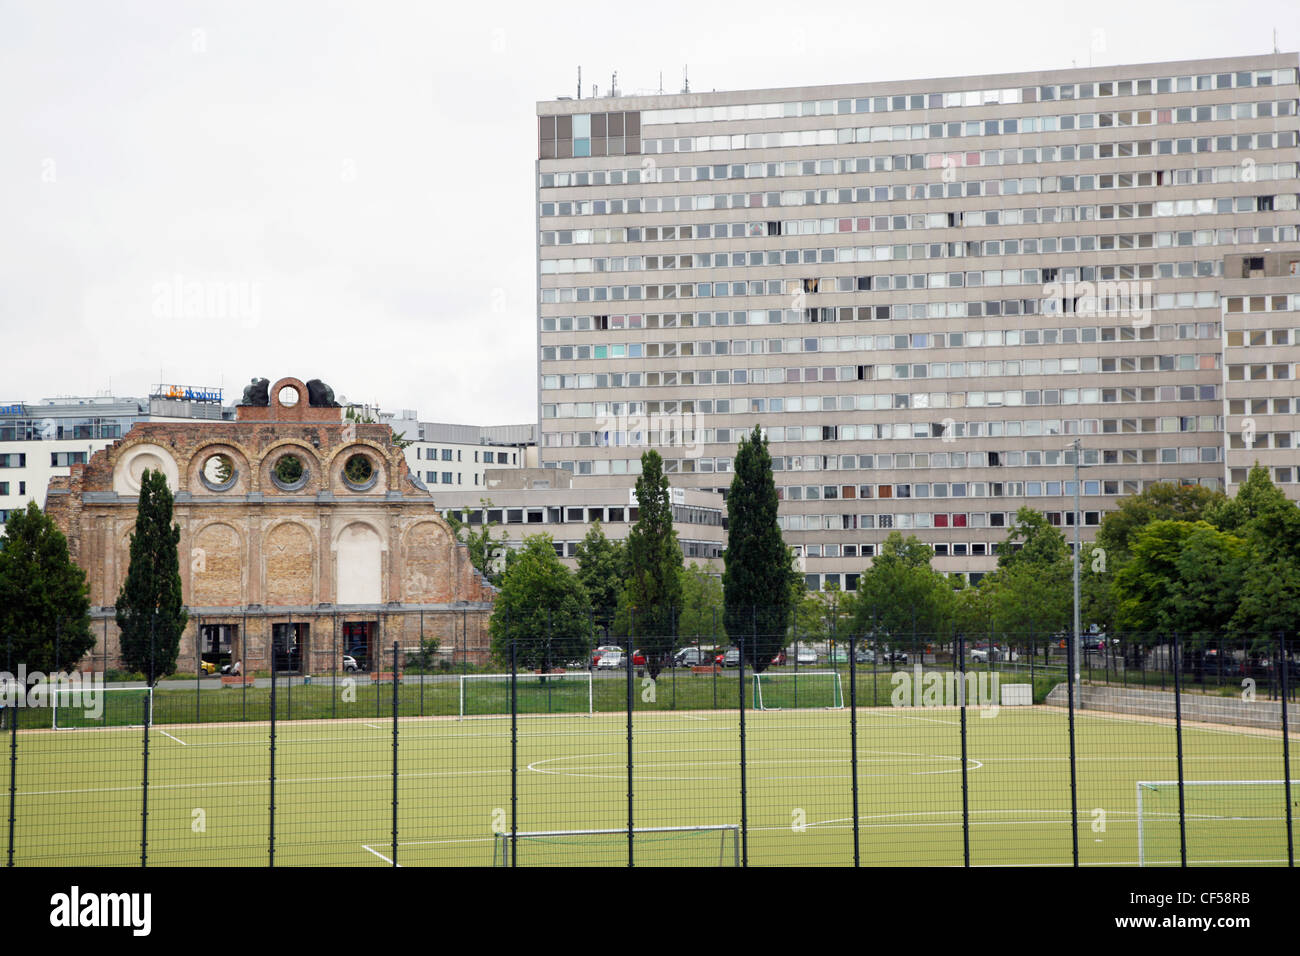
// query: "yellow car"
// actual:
[[207, 667]]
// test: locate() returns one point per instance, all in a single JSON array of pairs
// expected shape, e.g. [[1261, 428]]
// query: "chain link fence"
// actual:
[[750, 745]]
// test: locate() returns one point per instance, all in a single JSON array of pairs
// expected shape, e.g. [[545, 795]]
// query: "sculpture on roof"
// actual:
[[257, 392], [320, 395]]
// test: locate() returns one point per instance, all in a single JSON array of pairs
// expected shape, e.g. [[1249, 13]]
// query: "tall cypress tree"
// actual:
[[654, 565], [150, 611], [757, 582]]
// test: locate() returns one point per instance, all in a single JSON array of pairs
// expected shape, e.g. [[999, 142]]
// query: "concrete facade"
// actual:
[[923, 290]]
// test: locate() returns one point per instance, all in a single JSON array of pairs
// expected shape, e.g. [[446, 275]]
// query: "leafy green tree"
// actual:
[[1032, 590], [703, 607], [900, 596], [1269, 602], [827, 614], [602, 569], [759, 576], [1032, 541], [542, 607], [150, 611], [1257, 500], [1163, 501], [486, 553], [1183, 577], [44, 600], [654, 565]]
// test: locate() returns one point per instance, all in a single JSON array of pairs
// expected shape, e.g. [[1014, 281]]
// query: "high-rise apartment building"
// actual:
[[925, 292]]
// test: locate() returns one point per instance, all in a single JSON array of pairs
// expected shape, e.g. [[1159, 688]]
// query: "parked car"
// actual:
[[731, 658], [609, 660], [350, 664], [601, 651], [693, 657], [805, 655], [779, 660], [864, 655], [207, 667], [888, 656]]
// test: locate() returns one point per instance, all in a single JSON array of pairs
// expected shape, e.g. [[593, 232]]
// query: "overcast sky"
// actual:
[[197, 193]]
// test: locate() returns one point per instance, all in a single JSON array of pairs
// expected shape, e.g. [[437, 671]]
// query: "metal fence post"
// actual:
[[853, 743], [627, 666], [1178, 736], [12, 714], [959, 665], [1074, 780], [1285, 664], [270, 846], [744, 796], [144, 790], [335, 665], [394, 753], [514, 752]]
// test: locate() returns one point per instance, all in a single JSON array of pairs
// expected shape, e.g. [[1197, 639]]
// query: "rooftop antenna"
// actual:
[[686, 79], [579, 82], [613, 83], [661, 82], [1275, 39]]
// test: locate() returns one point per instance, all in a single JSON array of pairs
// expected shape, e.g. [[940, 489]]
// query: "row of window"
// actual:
[[922, 191], [918, 400], [651, 172], [971, 98], [990, 338], [5, 486], [682, 514], [1048, 245], [1263, 406], [925, 310], [1240, 235], [1086, 365], [1009, 126], [984, 278], [39, 430]]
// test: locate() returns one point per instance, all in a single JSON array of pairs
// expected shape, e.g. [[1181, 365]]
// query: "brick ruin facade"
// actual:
[[341, 550]]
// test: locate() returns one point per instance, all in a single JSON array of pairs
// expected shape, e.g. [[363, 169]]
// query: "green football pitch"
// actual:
[[78, 797]]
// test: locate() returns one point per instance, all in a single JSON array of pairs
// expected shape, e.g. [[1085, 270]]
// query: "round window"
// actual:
[[359, 473], [289, 473], [218, 472], [287, 396]]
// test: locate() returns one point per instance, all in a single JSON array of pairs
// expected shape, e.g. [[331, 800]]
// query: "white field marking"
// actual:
[[378, 727], [893, 712], [692, 717], [261, 782], [287, 739], [887, 757], [403, 843], [380, 855], [177, 739]]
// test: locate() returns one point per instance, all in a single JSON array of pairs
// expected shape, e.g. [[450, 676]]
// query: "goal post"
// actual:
[[787, 690], [100, 707], [488, 695], [701, 845], [1226, 821]]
